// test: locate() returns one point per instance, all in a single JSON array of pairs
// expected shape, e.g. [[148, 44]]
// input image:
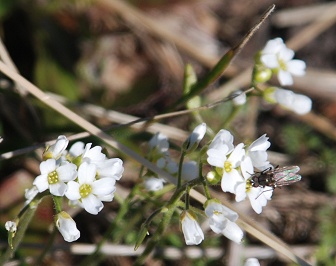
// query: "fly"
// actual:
[[276, 177]]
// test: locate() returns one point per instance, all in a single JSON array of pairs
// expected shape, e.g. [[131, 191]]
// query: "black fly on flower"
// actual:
[[276, 177]]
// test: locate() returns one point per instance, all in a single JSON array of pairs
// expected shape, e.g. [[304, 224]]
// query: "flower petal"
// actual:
[[296, 67], [233, 232], [285, 78], [231, 180], [58, 189], [72, 192], [103, 186], [86, 173], [92, 204], [41, 182], [67, 172]]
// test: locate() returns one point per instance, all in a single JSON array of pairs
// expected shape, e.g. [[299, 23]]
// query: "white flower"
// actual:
[[279, 58], [239, 98], [192, 232], [195, 138], [54, 177], [158, 144], [11, 226], [257, 152], [67, 227], [297, 103], [190, 170], [258, 196], [153, 183], [231, 176], [166, 163], [56, 150], [89, 191], [110, 168], [218, 215], [30, 194], [252, 262]]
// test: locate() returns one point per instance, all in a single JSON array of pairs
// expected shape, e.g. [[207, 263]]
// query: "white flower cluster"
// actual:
[[278, 59], [235, 165], [83, 175]]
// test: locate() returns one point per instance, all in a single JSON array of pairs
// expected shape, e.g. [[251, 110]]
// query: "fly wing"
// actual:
[[285, 176]]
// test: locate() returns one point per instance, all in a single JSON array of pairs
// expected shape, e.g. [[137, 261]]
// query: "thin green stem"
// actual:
[[179, 176]]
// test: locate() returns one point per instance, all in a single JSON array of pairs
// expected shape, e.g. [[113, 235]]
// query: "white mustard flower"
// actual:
[[252, 262], [218, 215], [190, 170], [195, 138], [258, 196], [154, 183], [167, 164], [89, 191], [11, 226], [279, 58], [192, 232], [54, 177], [67, 226], [56, 150], [257, 152], [231, 176]]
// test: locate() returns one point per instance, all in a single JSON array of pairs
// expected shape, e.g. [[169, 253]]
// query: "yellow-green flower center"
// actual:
[[85, 190], [282, 64], [227, 167], [53, 178]]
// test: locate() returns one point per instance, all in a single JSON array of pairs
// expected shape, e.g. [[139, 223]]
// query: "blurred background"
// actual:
[[97, 56]]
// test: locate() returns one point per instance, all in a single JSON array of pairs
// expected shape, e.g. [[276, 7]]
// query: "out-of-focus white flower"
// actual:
[[252, 262], [257, 152], [54, 177], [154, 183], [297, 103], [56, 150], [11, 226], [30, 194], [158, 144], [258, 196], [192, 232], [195, 138], [89, 191], [190, 170], [239, 99], [279, 58], [166, 163], [67, 227]]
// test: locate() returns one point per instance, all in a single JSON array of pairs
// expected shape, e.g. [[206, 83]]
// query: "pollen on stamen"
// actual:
[[53, 177], [85, 190], [227, 166]]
